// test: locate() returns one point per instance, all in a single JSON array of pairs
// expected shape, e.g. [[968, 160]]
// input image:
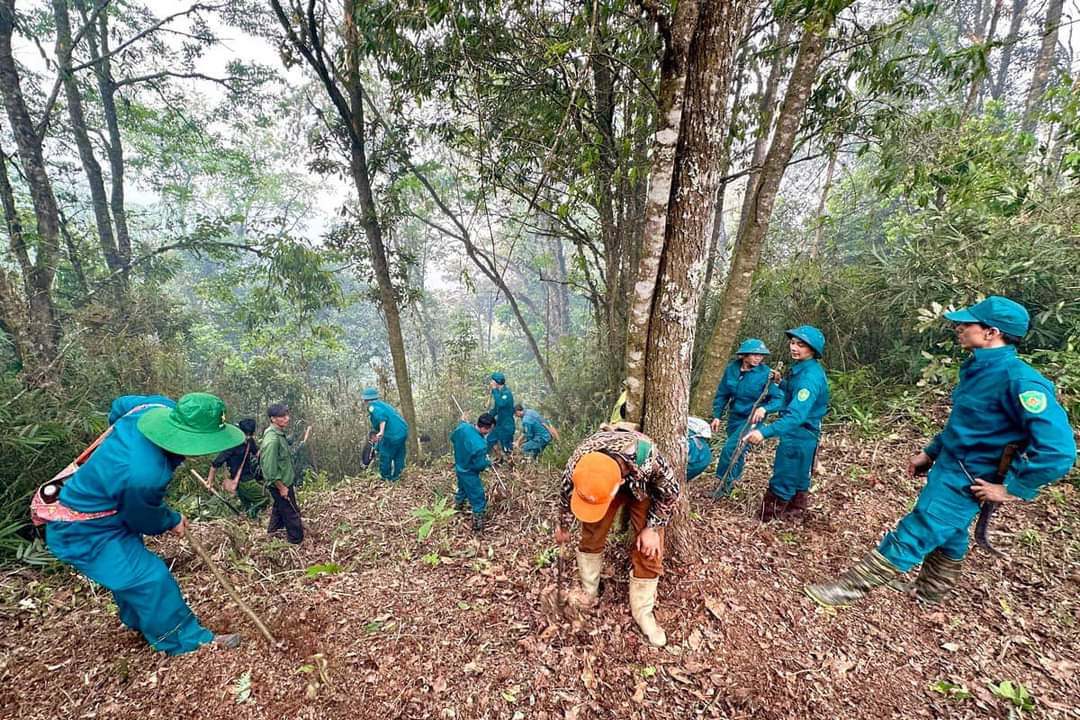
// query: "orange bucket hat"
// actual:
[[597, 478]]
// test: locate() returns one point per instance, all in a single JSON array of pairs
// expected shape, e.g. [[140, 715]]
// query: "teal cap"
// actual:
[[752, 346], [498, 377], [1006, 315], [369, 394], [809, 335]]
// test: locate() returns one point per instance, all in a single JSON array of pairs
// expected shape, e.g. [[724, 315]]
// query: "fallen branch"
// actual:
[[205, 556]]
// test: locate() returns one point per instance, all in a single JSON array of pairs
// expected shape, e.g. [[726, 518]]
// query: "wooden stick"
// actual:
[[215, 493], [205, 556]]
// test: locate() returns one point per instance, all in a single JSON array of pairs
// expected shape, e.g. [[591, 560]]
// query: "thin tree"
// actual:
[[1045, 61]]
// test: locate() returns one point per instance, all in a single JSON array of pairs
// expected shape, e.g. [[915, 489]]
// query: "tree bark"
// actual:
[[999, 87], [1043, 64], [43, 329], [752, 233], [98, 199], [818, 247], [986, 36]]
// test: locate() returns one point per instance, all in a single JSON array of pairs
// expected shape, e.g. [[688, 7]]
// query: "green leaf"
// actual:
[[323, 569]]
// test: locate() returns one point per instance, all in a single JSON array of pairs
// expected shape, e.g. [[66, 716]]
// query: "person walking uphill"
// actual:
[[275, 459], [806, 400], [610, 469], [470, 459], [243, 468], [502, 408], [96, 521], [391, 434], [744, 381], [1002, 408]]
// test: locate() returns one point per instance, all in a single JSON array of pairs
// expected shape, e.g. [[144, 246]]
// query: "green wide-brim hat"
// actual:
[[196, 426]]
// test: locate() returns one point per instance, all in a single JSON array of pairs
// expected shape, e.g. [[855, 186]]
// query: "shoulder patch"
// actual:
[[803, 395], [1034, 401]]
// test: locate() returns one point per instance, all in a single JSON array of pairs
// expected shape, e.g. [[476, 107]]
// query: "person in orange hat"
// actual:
[[610, 469]]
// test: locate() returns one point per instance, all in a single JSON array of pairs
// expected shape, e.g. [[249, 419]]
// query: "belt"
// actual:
[[42, 512]]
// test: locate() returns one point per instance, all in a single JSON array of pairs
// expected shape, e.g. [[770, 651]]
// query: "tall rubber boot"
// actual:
[[589, 567], [937, 577], [865, 575], [642, 601], [772, 506]]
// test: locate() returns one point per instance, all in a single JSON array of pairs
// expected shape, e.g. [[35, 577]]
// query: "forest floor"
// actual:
[[453, 627]]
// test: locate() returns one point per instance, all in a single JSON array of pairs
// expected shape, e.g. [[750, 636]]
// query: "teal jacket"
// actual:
[[397, 430], [533, 426], [740, 390], [999, 400], [503, 405], [470, 449], [806, 400], [126, 472]]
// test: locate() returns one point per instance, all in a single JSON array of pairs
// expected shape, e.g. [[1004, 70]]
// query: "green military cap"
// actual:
[[752, 346], [498, 377]]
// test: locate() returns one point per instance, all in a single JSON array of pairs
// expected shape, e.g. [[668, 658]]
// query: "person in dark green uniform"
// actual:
[[999, 401], [744, 380], [96, 522], [470, 459], [502, 408], [391, 433], [275, 459], [242, 462], [806, 400]]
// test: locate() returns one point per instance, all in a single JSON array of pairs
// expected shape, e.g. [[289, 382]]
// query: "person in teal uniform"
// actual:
[[698, 452], [391, 433], [118, 495], [536, 431], [502, 409], [806, 400], [999, 401], [470, 459], [744, 380]]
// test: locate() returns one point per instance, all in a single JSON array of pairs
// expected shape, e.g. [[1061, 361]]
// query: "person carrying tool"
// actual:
[[243, 467], [276, 462], [610, 469], [502, 408], [391, 434], [999, 401], [747, 392], [698, 452], [536, 431], [470, 459], [95, 521], [806, 400]]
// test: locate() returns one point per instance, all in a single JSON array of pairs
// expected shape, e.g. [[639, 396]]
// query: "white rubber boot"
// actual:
[[642, 601], [589, 567]]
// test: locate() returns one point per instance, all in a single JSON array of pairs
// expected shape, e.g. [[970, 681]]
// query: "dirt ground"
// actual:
[[453, 627]]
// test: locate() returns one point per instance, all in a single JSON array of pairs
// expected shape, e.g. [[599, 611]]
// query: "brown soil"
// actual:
[[398, 634]]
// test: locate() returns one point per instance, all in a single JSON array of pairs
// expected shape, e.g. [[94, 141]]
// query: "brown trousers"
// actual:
[[594, 535]]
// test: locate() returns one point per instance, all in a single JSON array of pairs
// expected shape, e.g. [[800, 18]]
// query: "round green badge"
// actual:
[[803, 395], [1033, 401]]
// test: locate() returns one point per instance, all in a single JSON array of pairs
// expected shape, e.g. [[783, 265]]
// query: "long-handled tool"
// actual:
[[740, 447], [220, 576], [495, 470], [215, 493]]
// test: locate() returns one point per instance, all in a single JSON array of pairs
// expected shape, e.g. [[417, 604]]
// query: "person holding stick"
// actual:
[[97, 516], [747, 392], [470, 459]]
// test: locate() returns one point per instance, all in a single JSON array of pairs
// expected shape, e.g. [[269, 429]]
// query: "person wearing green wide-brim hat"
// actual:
[[806, 400], [118, 495], [746, 379]]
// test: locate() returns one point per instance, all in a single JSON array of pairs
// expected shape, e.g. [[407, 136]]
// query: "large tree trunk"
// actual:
[[1043, 64], [756, 225], [43, 329], [98, 199], [998, 90], [688, 154]]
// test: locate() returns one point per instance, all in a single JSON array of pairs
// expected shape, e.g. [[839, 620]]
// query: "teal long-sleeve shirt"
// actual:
[[126, 472], [999, 400], [738, 390], [470, 449], [533, 426], [502, 406], [806, 400], [396, 428]]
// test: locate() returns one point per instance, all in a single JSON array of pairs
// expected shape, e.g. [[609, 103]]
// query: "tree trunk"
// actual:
[[43, 329], [818, 247], [998, 90], [986, 36], [752, 233], [98, 40], [1043, 64], [99, 200]]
